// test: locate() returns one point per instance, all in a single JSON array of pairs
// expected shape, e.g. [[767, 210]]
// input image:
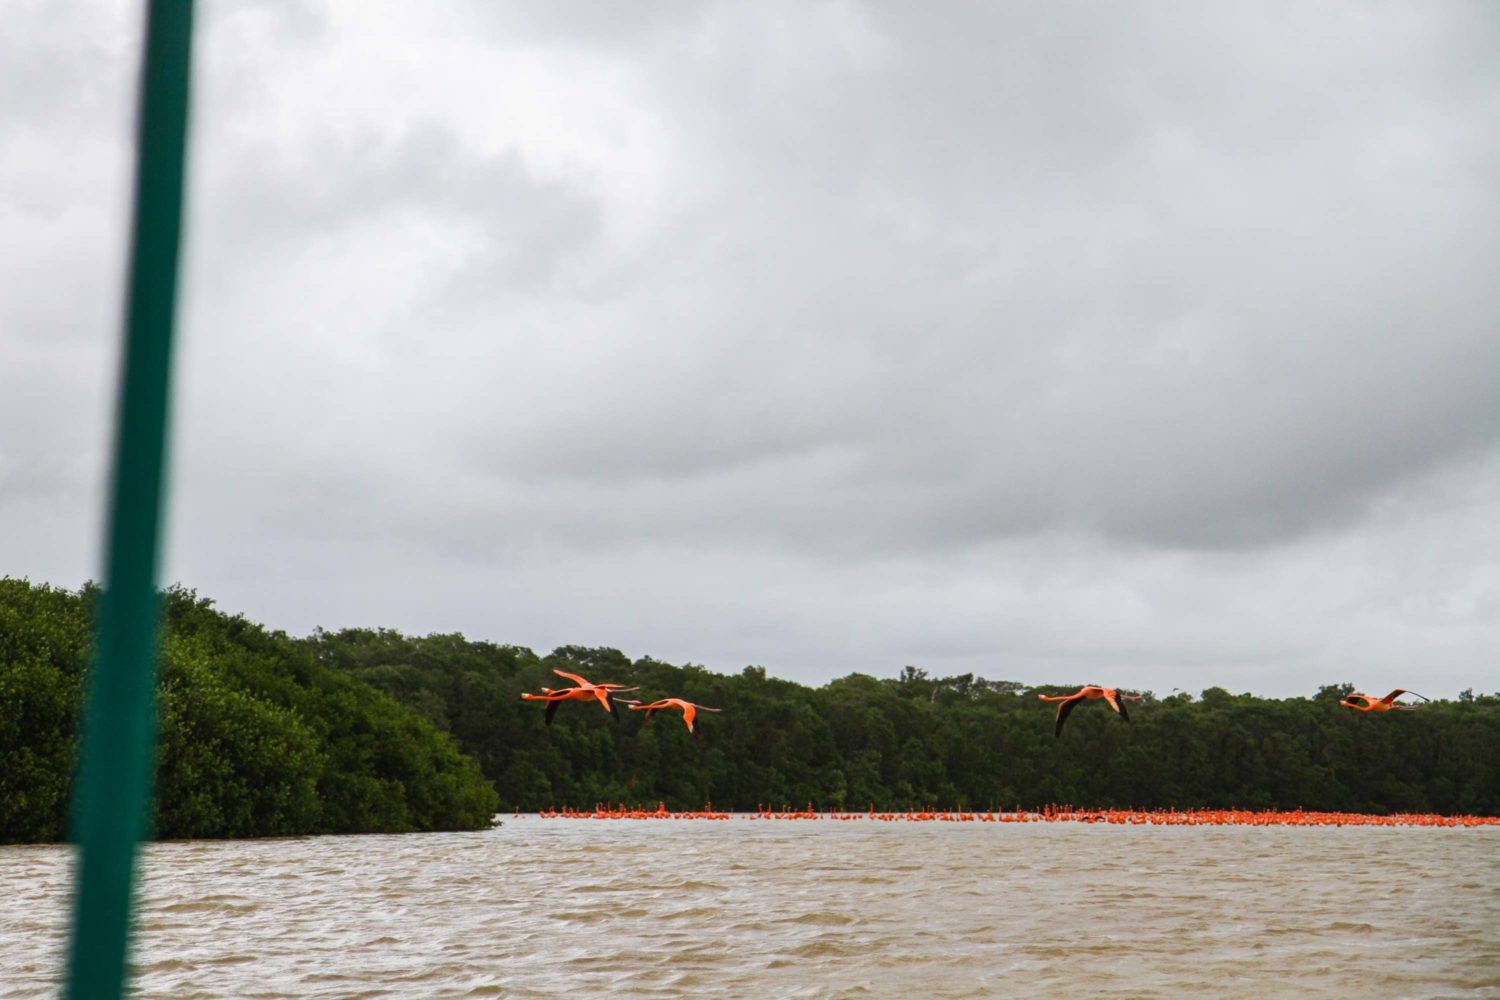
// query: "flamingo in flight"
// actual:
[[584, 691], [1365, 703], [689, 710], [1087, 693]]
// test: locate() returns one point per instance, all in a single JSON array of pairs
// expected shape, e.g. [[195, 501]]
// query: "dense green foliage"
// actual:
[[371, 730], [917, 740], [256, 737]]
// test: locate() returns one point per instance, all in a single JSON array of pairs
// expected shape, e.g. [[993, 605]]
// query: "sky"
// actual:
[[1154, 345]]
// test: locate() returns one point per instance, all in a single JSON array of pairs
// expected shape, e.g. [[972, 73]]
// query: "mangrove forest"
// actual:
[[366, 730]]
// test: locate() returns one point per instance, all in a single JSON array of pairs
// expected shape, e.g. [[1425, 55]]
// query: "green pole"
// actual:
[[114, 781]]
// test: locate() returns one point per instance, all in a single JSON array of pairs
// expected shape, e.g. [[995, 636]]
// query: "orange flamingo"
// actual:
[[1087, 693], [689, 710], [1365, 703], [583, 692]]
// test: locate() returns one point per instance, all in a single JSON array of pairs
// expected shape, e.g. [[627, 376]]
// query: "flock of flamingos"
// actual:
[[604, 694]]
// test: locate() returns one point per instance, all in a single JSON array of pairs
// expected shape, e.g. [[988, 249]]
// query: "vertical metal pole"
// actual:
[[114, 784]]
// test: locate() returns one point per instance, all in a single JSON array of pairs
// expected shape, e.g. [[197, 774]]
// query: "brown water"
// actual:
[[745, 908]]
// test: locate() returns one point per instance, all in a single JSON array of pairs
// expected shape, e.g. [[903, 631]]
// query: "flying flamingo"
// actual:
[[689, 710], [1091, 691], [583, 692], [1365, 703]]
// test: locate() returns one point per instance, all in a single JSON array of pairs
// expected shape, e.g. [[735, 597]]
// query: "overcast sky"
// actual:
[[1155, 344]]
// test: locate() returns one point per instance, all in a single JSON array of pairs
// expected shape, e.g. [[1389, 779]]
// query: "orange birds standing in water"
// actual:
[[1067, 702], [1365, 703], [689, 710], [584, 691]]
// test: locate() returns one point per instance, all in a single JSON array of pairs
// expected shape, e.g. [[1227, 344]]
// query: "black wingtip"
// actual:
[[1064, 709]]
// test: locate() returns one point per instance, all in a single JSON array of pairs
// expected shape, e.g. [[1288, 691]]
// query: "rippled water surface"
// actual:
[[669, 908]]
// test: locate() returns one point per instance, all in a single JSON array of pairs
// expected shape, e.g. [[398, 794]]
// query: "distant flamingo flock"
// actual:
[[604, 694], [1047, 814]]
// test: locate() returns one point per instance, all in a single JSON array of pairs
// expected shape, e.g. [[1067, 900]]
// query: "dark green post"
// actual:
[[114, 783]]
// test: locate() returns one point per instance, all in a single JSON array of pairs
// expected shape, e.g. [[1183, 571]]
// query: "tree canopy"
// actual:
[[371, 730], [917, 740], [256, 738]]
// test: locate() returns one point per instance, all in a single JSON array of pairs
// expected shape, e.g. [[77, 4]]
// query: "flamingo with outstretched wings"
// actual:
[[689, 710], [1067, 702], [585, 690], [1365, 703]]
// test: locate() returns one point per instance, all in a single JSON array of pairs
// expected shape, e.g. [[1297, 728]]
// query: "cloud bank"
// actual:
[[1053, 342]]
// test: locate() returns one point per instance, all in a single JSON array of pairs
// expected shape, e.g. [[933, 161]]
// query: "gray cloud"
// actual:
[[1039, 341], [1187, 327]]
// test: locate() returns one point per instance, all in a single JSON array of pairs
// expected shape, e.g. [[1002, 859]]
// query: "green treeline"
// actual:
[[371, 730], [256, 737], [917, 740]]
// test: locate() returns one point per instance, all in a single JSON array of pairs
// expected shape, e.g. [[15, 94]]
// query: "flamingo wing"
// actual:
[[1064, 709], [1390, 698], [572, 677], [652, 707], [1118, 704], [552, 704]]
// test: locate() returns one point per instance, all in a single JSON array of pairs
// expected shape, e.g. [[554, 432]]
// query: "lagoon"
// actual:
[[678, 908]]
